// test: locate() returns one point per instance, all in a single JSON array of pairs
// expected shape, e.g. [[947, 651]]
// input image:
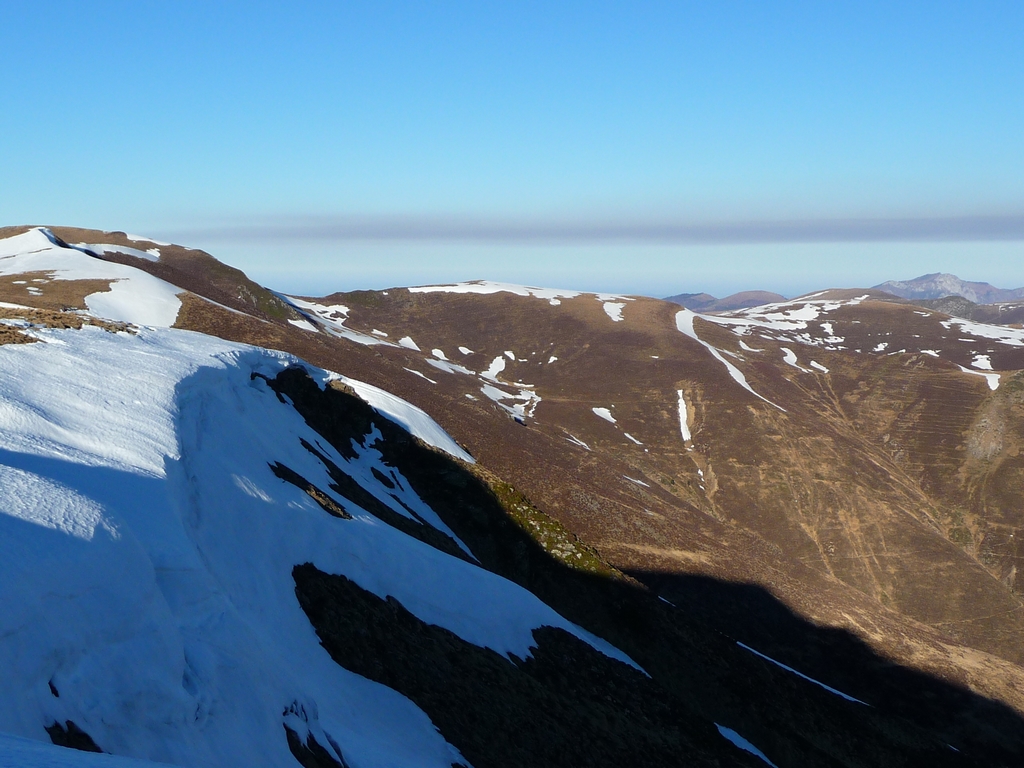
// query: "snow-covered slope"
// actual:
[[147, 548], [134, 296]]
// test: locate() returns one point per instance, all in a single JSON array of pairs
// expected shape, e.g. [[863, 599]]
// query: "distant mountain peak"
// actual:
[[705, 302], [938, 285]]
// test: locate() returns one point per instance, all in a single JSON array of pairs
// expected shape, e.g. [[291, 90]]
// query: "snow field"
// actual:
[[153, 547], [17, 752]]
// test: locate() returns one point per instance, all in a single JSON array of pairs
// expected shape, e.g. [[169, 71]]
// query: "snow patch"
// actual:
[[991, 378], [801, 674], [304, 325], [576, 441], [789, 357], [684, 418], [140, 239], [528, 401], [736, 740], [497, 366], [604, 413], [1013, 337], [331, 318], [408, 343], [449, 367], [421, 375], [614, 310]]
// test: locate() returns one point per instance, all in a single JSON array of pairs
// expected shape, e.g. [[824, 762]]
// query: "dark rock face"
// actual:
[[310, 753], [71, 736], [566, 705]]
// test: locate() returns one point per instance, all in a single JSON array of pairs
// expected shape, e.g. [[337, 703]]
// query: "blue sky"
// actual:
[[642, 147]]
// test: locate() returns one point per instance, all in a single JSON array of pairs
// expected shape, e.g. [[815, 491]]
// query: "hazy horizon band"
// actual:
[[529, 231]]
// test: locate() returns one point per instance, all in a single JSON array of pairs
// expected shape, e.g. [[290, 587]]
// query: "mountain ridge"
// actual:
[[651, 471], [938, 285]]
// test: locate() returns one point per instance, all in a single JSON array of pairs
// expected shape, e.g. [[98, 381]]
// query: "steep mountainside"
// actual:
[[517, 526]]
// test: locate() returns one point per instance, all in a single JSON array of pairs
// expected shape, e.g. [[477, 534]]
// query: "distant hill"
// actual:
[[1001, 313], [940, 285], [705, 302]]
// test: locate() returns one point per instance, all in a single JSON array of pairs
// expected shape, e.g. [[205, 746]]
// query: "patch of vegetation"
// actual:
[[1014, 384], [549, 534], [368, 299], [961, 535]]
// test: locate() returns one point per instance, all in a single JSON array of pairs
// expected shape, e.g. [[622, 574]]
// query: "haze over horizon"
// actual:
[[676, 148]]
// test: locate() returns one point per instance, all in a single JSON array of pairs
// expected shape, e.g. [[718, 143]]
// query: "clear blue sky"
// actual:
[[642, 147]]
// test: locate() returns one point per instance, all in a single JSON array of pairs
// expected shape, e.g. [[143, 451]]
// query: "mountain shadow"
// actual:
[[722, 658]]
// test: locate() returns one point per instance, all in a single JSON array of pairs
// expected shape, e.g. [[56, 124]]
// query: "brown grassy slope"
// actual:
[[189, 268], [829, 506], [822, 484]]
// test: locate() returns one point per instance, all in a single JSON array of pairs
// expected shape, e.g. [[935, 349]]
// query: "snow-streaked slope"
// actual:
[[684, 322], [331, 317], [146, 555], [134, 296], [553, 295]]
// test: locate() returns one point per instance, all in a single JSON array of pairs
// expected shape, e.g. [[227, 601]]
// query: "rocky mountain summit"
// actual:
[[940, 285], [497, 525]]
